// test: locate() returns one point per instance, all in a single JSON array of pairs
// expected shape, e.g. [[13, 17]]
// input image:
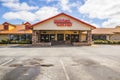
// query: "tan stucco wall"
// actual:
[[50, 25], [3, 37], [115, 37], [83, 37]]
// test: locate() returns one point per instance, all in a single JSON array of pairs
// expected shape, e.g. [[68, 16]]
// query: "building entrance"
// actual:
[[60, 37]]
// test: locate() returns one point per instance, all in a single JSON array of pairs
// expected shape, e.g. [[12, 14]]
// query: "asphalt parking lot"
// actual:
[[97, 62]]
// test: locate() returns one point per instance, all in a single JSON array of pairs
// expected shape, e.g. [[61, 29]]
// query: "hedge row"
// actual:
[[106, 42], [15, 42]]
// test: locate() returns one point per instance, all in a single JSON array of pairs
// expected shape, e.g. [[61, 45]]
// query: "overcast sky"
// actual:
[[101, 13]]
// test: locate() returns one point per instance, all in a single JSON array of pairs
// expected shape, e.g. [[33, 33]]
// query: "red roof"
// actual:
[[106, 30], [19, 29], [65, 15]]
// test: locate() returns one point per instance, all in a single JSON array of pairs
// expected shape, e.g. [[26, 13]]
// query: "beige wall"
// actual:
[[83, 37], [115, 37], [50, 25], [3, 37]]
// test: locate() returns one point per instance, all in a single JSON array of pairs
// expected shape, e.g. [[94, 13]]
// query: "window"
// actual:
[[27, 27], [44, 38], [5, 27], [99, 37], [67, 36], [52, 37], [75, 37]]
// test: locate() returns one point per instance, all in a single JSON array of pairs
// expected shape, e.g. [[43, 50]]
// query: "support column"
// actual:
[[55, 35], [89, 37], [80, 36], [107, 37], [26, 37], [34, 39], [38, 36], [20, 37]]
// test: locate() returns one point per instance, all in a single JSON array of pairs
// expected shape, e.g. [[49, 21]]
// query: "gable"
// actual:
[[50, 24]]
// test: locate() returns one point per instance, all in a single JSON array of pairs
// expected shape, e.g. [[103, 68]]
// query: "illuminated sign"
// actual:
[[63, 22]]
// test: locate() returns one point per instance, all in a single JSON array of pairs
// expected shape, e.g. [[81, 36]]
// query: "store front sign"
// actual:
[[63, 22]]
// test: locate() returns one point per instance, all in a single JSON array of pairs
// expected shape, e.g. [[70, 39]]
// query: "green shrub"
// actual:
[[15, 42], [4, 41], [101, 42], [106, 42]]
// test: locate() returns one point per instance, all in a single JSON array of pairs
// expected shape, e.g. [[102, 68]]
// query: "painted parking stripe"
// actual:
[[64, 69]]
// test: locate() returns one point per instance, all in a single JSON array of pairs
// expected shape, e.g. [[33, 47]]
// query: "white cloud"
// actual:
[[46, 12], [16, 5], [107, 9], [42, 13], [66, 5], [51, 0], [9, 0], [22, 15]]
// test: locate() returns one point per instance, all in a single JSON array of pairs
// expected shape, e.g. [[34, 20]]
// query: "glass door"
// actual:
[[74, 37], [60, 37]]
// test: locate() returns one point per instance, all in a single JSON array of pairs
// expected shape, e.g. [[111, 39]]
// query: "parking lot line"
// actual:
[[64, 69], [10, 60]]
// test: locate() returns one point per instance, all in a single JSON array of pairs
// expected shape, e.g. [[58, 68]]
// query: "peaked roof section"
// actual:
[[8, 24], [19, 29], [65, 15]]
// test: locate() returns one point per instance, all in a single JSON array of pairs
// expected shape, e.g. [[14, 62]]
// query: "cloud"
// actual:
[[51, 0], [107, 9], [66, 5], [42, 13], [46, 12], [9, 1], [22, 15], [16, 5]]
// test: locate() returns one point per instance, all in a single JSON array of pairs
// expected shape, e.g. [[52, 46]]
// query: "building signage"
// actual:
[[63, 22]]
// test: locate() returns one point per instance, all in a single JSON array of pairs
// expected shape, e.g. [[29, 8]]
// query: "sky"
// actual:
[[100, 13]]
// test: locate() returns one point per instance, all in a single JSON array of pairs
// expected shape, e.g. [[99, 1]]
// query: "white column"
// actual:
[[107, 37]]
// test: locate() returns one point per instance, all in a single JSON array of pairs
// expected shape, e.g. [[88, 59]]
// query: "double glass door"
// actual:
[[47, 37], [60, 37], [74, 37]]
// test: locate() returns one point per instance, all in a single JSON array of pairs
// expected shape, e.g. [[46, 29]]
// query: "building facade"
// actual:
[[57, 30], [15, 33], [62, 29], [112, 34]]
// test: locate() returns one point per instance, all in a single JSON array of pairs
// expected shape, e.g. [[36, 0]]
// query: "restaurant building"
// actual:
[[62, 29]]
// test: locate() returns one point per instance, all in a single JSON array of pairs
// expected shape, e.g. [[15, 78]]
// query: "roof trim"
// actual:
[[65, 15]]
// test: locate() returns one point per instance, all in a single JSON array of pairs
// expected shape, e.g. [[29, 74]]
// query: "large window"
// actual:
[[44, 38], [99, 37], [75, 37], [52, 37], [67, 36]]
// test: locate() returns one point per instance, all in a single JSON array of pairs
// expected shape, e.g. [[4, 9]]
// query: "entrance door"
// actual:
[[44, 38], [75, 38], [60, 37]]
